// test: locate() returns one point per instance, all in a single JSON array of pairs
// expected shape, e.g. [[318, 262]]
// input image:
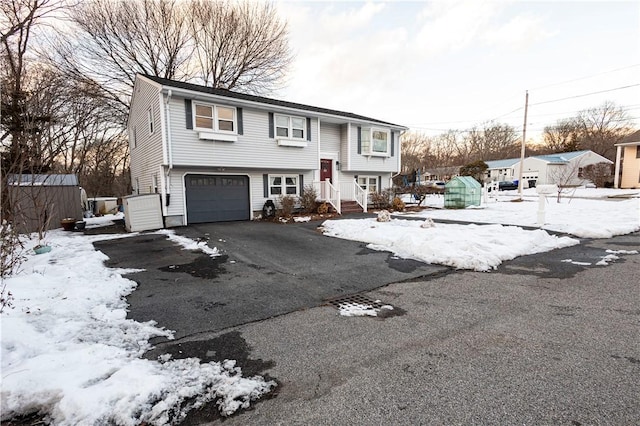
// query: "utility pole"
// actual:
[[524, 138]]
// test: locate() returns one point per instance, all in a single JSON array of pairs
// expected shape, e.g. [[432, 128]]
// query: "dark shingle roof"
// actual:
[[262, 100], [631, 138]]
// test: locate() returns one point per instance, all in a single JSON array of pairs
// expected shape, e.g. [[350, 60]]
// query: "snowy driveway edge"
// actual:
[[70, 353]]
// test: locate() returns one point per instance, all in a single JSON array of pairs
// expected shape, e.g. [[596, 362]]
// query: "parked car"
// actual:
[[507, 185]]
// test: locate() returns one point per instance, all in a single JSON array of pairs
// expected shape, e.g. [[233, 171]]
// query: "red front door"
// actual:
[[326, 166]]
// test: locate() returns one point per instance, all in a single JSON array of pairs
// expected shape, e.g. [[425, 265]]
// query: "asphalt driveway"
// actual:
[[265, 270]]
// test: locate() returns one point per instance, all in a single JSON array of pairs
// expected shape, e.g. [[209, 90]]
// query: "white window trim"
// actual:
[[215, 133], [368, 177], [370, 151], [290, 140], [283, 185]]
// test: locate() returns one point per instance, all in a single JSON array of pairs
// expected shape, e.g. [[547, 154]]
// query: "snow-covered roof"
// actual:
[[560, 158], [501, 164], [42, 180]]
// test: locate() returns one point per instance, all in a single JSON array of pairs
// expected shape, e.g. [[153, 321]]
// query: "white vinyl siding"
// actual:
[[256, 186], [146, 147], [371, 163], [252, 149], [330, 136]]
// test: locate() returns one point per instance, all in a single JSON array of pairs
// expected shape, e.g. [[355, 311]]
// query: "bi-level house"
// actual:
[[217, 155]]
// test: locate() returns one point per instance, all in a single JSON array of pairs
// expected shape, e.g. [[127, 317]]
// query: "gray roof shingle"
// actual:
[[263, 100]]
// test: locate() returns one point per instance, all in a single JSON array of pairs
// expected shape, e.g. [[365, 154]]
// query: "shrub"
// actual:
[[287, 203], [381, 200], [308, 199], [397, 204]]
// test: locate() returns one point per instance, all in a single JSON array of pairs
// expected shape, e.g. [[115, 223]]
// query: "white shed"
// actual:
[[142, 212]]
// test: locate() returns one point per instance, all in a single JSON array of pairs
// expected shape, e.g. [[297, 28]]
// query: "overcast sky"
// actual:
[[441, 65]]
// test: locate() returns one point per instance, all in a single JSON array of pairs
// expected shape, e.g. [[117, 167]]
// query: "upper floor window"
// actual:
[[216, 118], [638, 151], [376, 142], [291, 127]]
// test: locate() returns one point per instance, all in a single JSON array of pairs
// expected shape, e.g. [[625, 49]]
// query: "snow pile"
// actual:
[[188, 243], [69, 351], [477, 247], [350, 309], [582, 217]]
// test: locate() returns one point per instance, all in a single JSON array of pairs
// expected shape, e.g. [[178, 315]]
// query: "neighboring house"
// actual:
[[217, 155], [627, 174], [564, 168], [499, 170]]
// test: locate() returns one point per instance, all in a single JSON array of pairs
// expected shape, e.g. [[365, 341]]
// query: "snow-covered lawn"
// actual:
[[496, 234], [68, 350]]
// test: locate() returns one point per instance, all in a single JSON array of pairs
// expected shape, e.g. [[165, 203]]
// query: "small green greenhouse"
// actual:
[[461, 192]]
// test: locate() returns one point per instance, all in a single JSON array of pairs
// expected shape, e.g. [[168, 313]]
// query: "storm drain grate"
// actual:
[[354, 299]]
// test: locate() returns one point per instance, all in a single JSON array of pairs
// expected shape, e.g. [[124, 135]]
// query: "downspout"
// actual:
[[399, 161], [170, 149]]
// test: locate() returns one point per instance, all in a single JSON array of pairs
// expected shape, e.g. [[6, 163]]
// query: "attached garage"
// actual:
[[217, 198]]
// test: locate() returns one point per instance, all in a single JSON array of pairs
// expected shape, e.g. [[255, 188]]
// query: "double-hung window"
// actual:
[[376, 142], [216, 118], [290, 127], [283, 185], [368, 183]]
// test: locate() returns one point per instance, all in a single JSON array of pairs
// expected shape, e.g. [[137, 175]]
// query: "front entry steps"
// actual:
[[350, 207]]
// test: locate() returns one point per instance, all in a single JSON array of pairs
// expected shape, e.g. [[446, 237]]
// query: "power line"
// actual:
[[586, 77], [587, 94]]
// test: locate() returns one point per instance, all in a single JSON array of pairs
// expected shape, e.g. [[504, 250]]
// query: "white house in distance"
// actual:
[[217, 155], [627, 173], [564, 168]]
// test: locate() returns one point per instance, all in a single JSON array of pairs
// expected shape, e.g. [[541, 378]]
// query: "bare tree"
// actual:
[[415, 151], [492, 141], [241, 46], [112, 41], [562, 137], [602, 127], [597, 129]]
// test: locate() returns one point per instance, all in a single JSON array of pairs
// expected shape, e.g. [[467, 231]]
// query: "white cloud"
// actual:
[[449, 26], [520, 32]]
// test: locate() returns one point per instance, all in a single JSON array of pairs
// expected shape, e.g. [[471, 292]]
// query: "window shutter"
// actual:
[[393, 143], [301, 177], [265, 183], [308, 129], [189, 113], [239, 118], [379, 183], [271, 125], [359, 140]]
